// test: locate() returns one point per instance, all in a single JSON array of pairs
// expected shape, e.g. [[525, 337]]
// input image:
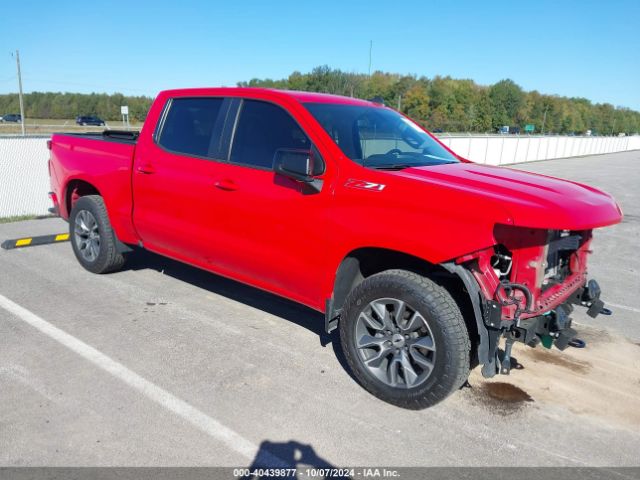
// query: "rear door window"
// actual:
[[194, 126]]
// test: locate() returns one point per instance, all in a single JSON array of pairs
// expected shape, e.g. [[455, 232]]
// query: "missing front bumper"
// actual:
[[553, 328]]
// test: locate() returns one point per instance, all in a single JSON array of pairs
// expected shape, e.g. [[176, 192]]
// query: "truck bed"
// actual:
[[119, 136], [105, 162]]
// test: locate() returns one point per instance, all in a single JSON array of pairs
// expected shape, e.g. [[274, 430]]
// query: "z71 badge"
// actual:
[[364, 185]]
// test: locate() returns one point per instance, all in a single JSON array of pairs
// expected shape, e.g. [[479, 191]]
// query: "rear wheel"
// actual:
[[92, 237], [404, 339]]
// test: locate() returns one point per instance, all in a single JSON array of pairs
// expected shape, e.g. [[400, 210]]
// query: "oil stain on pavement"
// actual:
[[600, 382]]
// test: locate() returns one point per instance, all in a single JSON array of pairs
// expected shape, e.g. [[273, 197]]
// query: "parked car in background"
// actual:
[[89, 120], [12, 117], [506, 129]]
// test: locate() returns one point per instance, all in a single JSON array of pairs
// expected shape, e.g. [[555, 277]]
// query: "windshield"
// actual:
[[379, 137]]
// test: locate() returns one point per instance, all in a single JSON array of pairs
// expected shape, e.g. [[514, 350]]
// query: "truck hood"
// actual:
[[532, 200]]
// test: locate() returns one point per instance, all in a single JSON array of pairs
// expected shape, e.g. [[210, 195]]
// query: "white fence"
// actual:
[[506, 149], [24, 177]]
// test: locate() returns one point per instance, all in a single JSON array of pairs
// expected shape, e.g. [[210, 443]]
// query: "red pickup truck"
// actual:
[[425, 261]]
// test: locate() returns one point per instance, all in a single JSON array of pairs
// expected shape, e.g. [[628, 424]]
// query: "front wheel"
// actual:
[[404, 339], [92, 237]]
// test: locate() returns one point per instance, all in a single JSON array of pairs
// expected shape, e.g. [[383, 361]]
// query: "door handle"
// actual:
[[226, 185], [146, 169]]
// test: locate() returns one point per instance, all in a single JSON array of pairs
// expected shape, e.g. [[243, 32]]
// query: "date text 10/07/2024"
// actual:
[[316, 472]]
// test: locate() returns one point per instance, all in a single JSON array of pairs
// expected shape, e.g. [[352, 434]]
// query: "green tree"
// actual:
[[507, 99], [439, 103]]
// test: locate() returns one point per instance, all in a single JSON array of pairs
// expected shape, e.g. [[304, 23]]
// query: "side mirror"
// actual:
[[295, 163]]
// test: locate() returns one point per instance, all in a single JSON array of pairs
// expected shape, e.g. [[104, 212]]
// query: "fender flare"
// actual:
[[488, 337]]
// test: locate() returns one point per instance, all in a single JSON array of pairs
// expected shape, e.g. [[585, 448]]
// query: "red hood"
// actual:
[[532, 200]]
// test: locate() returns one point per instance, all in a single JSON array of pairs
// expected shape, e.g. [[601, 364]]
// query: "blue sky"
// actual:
[[575, 48]]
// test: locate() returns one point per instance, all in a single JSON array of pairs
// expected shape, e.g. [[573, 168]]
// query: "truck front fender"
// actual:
[[487, 337]]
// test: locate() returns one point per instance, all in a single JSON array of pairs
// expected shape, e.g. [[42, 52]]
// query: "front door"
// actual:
[[274, 231]]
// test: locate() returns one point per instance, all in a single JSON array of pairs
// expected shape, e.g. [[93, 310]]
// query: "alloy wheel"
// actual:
[[87, 235], [395, 343]]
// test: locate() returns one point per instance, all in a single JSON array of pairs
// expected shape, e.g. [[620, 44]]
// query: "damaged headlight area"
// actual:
[[530, 281], [560, 247]]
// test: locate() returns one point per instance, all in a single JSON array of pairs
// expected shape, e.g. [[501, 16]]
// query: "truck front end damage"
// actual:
[[525, 287]]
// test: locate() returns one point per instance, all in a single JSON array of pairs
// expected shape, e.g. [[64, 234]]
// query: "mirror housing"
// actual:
[[295, 163]]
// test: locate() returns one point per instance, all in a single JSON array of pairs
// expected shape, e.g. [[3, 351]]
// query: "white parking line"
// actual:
[[195, 417], [623, 307]]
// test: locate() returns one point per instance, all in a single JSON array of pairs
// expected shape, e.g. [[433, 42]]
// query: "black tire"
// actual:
[[445, 326], [106, 257]]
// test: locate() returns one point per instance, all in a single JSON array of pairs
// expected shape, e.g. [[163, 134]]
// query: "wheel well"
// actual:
[[77, 189], [364, 262]]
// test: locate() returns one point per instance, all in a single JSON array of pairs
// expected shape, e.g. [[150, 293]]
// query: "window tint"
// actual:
[[379, 137], [193, 126], [262, 129]]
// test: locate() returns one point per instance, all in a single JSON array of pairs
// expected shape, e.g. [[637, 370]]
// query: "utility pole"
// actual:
[[544, 118], [20, 91], [614, 126], [370, 49]]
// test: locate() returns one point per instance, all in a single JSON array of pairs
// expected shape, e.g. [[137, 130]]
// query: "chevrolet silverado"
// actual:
[[427, 264]]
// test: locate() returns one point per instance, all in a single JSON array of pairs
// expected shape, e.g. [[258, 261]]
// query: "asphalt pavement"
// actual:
[[163, 364]]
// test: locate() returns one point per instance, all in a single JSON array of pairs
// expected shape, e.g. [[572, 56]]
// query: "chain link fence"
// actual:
[[24, 176]]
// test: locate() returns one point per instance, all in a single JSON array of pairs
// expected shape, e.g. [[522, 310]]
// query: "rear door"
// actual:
[[175, 207]]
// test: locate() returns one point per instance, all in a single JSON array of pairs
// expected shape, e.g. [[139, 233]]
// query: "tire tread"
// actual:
[[109, 259], [444, 308]]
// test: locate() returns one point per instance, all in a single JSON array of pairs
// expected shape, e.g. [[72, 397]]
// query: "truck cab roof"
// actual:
[[302, 97]]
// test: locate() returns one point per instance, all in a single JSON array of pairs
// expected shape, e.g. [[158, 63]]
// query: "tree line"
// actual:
[[460, 105], [56, 105], [439, 103]]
